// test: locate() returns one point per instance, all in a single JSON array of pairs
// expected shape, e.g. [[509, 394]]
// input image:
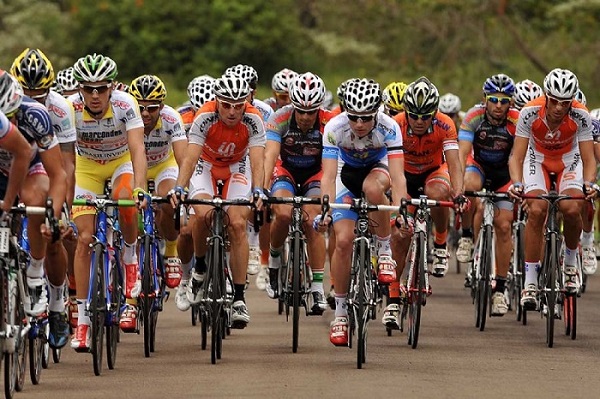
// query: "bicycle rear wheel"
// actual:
[[98, 308], [416, 290], [203, 317], [519, 276], [362, 308], [36, 351], [296, 264], [147, 294], [112, 327]]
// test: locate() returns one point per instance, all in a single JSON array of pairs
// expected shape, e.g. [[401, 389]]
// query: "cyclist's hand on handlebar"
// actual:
[[259, 195], [515, 190], [405, 225], [321, 224], [177, 194], [590, 190], [461, 203], [141, 197]]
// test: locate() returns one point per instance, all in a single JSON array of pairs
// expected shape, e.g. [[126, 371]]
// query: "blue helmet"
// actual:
[[499, 83]]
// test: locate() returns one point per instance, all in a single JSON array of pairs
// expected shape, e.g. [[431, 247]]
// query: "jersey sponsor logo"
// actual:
[[57, 111], [121, 104], [129, 114], [157, 144], [78, 107], [532, 167], [155, 157], [528, 115], [577, 115], [169, 118], [553, 135]]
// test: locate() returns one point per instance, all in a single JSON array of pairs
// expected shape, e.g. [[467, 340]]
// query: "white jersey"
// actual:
[[106, 139], [168, 129], [62, 116], [383, 142], [264, 109], [5, 126]]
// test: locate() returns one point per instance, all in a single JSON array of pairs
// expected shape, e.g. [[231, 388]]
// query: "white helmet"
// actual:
[[66, 80], [525, 91], [11, 93], [362, 95], [307, 91], [579, 96], [200, 90], [231, 87], [421, 97], [281, 80], [595, 113], [561, 83], [246, 72], [450, 104]]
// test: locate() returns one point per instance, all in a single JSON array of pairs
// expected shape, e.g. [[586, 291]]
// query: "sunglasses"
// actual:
[[305, 112], [391, 111], [12, 114], [236, 106], [361, 118], [101, 89], [415, 116], [557, 101], [496, 100], [150, 108], [283, 96], [38, 96]]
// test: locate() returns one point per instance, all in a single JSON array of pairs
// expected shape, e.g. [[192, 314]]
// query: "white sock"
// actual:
[[587, 238], [36, 268], [341, 306], [570, 256], [252, 236], [129, 253], [82, 317], [186, 269], [383, 246], [531, 272], [56, 303]]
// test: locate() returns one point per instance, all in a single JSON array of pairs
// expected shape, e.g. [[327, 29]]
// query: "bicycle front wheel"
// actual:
[[362, 308], [416, 289], [296, 263], [112, 328], [98, 308], [147, 294], [216, 296], [36, 351], [549, 287]]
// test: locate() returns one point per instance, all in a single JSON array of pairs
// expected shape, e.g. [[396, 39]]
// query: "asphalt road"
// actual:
[[453, 359]]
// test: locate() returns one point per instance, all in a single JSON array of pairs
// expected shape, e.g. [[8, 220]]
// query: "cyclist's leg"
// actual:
[[473, 182], [571, 184], [315, 244], [185, 250], [503, 231], [588, 250]]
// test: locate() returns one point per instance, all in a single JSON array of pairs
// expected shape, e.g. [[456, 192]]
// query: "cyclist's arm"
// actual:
[[179, 149], [396, 167], [456, 171], [15, 143], [586, 149], [257, 165], [597, 152], [68, 160], [271, 153], [52, 161], [330, 167], [465, 147], [192, 155], [517, 157], [137, 149]]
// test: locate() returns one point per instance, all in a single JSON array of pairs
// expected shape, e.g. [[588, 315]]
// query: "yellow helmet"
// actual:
[[33, 70], [392, 96], [148, 87]]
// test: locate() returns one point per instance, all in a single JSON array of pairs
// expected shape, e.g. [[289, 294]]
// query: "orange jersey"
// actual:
[[426, 152], [187, 115], [224, 145], [576, 126]]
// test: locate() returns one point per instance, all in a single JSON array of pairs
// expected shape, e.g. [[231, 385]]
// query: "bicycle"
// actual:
[[17, 330], [364, 293], [105, 299], [417, 283], [516, 280], [483, 269], [294, 277], [154, 289], [550, 279], [216, 302]]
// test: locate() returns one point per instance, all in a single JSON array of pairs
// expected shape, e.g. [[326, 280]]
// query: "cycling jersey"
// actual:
[[491, 144], [62, 116], [300, 152], [187, 112], [596, 130], [168, 129], [425, 153], [265, 109], [223, 145], [106, 139], [384, 141], [5, 126], [33, 121]]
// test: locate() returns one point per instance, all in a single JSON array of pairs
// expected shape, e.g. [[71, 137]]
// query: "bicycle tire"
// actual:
[[567, 315], [550, 287], [296, 255], [203, 328], [194, 312], [21, 346], [519, 278], [216, 293], [36, 352], [46, 351], [486, 293], [98, 308], [147, 294], [362, 310], [113, 329], [56, 354], [418, 289], [573, 314]]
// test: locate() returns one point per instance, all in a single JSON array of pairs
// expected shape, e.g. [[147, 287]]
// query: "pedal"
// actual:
[[238, 325]]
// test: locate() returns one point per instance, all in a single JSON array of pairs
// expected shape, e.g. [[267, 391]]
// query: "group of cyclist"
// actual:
[[80, 128]]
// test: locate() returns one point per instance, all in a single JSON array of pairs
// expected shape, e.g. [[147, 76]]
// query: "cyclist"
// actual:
[[259, 242], [428, 138], [165, 142], [280, 84], [45, 178], [292, 159], [391, 97], [590, 268], [66, 83], [110, 142], [226, 141], [556, 131], [340, 95], [485, 141], [199, 91], [525, 91], [369, 143], [450, 105]]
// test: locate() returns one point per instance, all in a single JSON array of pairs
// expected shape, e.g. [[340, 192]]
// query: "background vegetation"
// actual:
[[456, 43]]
